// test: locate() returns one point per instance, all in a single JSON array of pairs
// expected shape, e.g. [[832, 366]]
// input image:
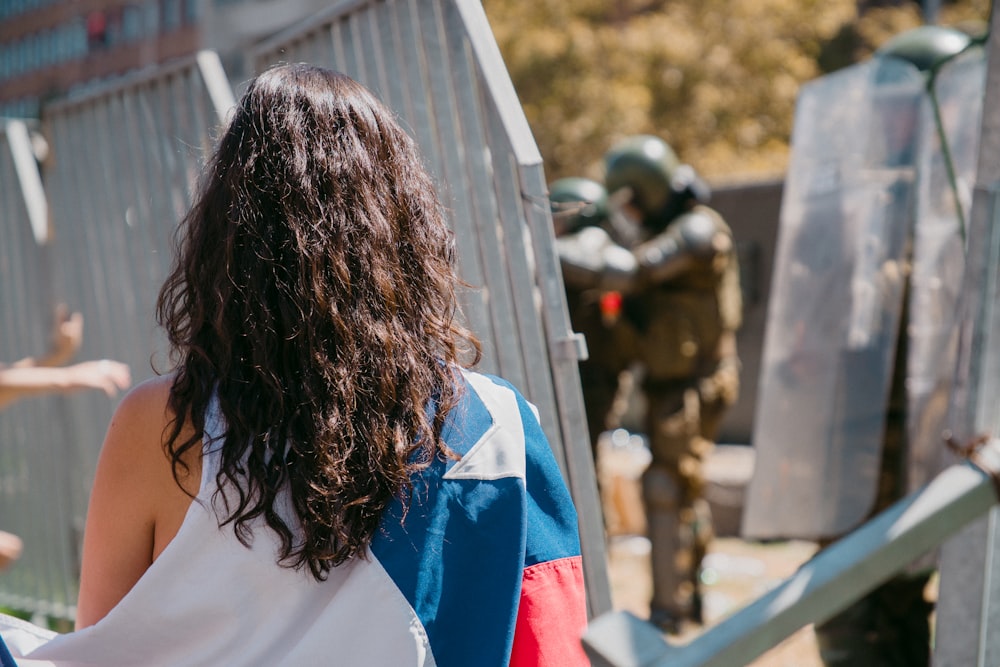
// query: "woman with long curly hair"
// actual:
[[321, 478]]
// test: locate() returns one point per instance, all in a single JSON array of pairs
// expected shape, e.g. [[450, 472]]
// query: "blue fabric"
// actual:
[[473, 538], [472, 530], [551, 513], [6, 659]]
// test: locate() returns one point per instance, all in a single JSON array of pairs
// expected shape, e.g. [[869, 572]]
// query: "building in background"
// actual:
[[50, 47]]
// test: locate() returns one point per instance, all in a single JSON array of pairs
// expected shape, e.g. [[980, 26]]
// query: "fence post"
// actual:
[[969, 593]]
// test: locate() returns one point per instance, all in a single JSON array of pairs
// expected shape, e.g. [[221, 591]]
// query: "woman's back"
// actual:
[[488, 542]]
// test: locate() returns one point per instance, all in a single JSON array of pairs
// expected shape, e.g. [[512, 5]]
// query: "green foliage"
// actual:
[[17, 613], [717, 79]]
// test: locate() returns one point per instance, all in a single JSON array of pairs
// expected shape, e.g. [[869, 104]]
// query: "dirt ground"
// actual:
[[735, 573]]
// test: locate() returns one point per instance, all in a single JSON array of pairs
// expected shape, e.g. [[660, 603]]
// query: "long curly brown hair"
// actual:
[[314, 293]]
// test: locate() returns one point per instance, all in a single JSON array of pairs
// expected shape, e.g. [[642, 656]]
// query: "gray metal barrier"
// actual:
[[436, 64], [969, 600], [123, 160], [32, 433]]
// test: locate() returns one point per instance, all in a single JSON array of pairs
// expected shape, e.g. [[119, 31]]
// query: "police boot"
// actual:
[[671, 551]]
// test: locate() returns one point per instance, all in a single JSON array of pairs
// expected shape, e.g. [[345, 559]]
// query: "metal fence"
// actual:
[[122, 162], [35, 472], [436, 64]]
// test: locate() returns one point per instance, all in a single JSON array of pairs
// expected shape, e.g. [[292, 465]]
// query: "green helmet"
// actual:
[[646, 165], [577, 202], [927, 47]]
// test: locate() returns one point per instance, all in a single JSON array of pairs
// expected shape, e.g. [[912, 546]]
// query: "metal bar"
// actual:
[[500, 253], [220, 92], [455, 189], [835, 577], [372, 28], [135, 79], [26, 167], [498, 82], [563, 365]]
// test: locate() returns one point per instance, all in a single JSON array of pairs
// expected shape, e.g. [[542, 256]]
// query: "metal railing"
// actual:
[[122, 162], [29, 431]]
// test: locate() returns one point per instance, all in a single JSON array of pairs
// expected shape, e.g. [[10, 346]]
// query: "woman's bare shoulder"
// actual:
[[134, 500], [148, 400], [137, 427]]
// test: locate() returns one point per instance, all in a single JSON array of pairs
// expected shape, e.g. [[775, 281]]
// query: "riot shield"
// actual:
[[939, 260], [836, 299]]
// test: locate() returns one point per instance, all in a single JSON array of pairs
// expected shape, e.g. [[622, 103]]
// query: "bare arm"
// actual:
[[135, 505], [33, 376], [22, 381]]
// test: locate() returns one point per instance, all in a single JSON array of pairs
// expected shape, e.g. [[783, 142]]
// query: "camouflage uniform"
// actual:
[[684, 334], [679, 320]]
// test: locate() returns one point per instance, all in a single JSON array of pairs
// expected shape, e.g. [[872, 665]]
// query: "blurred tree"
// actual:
[[718, 79]]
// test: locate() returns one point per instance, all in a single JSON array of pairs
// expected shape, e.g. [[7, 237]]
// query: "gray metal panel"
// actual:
[[436, 64], [123, 166], [969, 599]]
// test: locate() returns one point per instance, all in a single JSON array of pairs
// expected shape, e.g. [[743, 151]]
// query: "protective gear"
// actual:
[[826, 363], [927, 48], [645, 165], [692, 238], [644, 172], [682, 429], [855, 376], [939, 262], [576, 203], [688, 297], [590, 259], [678, 321]]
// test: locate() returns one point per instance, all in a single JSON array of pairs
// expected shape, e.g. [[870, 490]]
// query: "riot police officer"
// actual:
[[680, 314]]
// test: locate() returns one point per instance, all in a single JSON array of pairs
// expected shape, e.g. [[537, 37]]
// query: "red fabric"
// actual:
[[552, 616]]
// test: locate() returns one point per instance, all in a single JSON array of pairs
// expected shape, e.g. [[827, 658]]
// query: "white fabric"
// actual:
[[499, 452], [208, 600]]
